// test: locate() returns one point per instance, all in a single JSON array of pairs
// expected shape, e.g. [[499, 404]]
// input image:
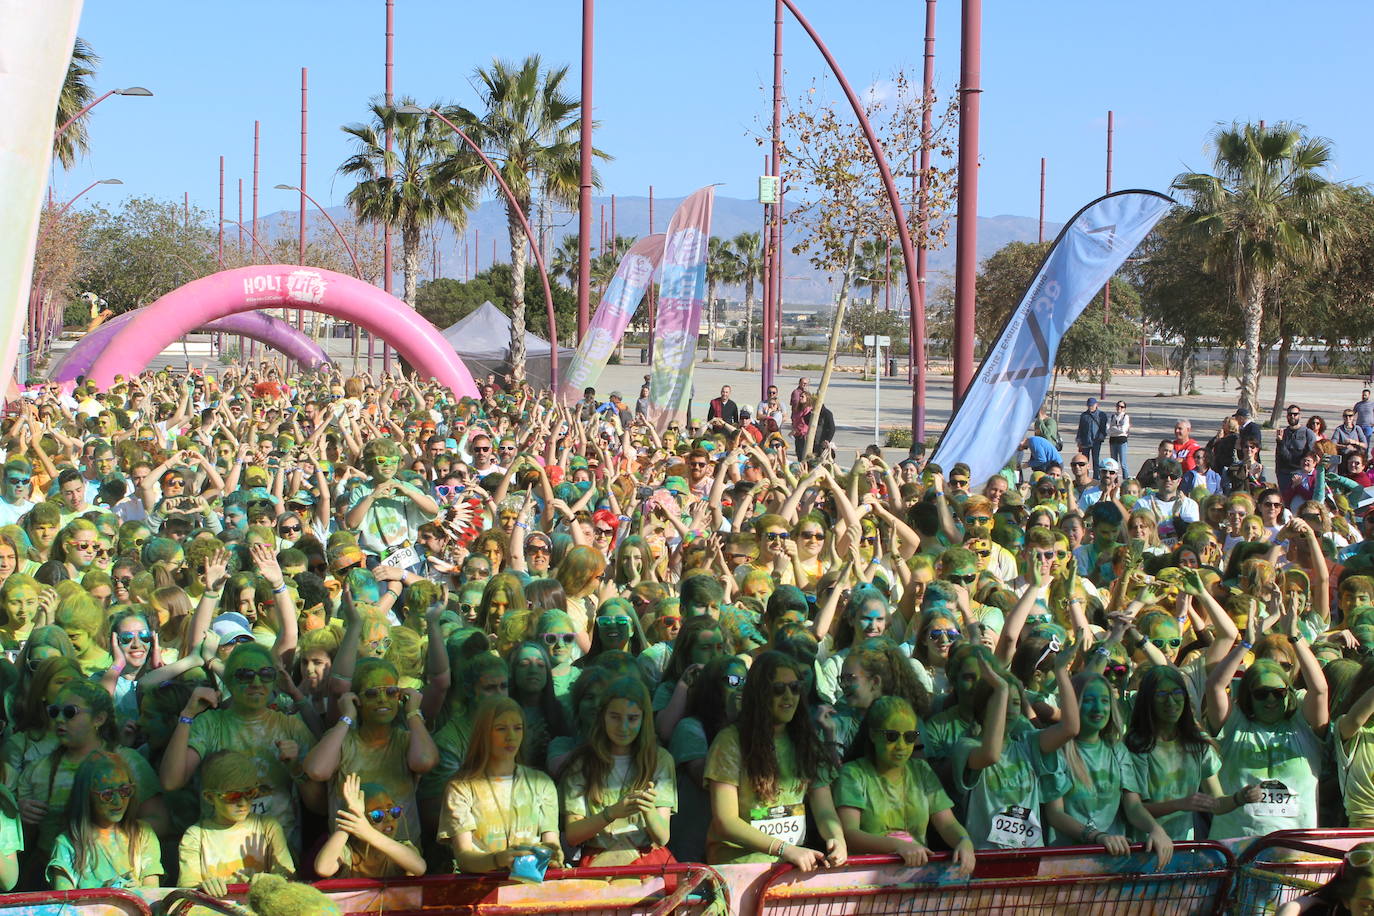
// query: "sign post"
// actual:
[[877, 342]]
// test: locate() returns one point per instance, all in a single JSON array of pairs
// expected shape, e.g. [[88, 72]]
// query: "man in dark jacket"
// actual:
[[722, 408], [1092, 429], [1295, 440]]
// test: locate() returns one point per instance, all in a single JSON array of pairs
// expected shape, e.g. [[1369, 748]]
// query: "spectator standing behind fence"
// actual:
[[1092, 429]]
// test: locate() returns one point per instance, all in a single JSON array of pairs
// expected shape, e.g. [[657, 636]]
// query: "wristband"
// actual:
[[186, 720], [209, 594], [415, 712], [1246, 645], [346, 720], [1102, 651], [279, 589], [522, 526]]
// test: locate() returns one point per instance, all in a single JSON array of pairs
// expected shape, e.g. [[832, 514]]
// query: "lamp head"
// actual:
[[132, 90]]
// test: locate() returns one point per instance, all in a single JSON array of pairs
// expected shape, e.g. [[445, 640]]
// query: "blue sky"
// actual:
[[680, 87]]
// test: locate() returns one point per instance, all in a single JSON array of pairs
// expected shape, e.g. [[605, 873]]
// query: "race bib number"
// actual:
[[1014, 827], [781, 822], [1276, 801], [402, 558]]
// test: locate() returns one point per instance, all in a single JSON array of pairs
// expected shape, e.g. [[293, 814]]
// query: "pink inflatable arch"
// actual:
[[278, 334], [269, 286]]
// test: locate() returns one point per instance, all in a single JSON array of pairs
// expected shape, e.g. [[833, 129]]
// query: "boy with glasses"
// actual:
[[1174, 510], [15, 490]]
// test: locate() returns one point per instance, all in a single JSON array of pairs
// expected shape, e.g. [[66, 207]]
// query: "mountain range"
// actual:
[[803, 284]]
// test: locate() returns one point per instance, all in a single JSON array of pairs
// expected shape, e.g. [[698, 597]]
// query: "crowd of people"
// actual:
[[318, 626]]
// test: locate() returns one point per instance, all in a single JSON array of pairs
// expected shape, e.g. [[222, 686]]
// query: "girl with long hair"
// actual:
[[616, 629], [35, 733], [700, 640], [712, 703], [873, 669], [104, 844], [134, 648], [1104, 797], [531, 685], [1267, 735], [619, 789], [496, 809], [765, 775], [1176, 762], [887, 798], [19, 606]]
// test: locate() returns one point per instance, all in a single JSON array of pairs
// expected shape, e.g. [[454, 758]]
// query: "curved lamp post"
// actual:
[[230, 219], [893, 197], [36, 287], [524, 221], [132, 90], [357, 271]]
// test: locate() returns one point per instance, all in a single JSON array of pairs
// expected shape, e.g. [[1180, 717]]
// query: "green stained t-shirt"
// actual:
[[1098, 806], [386, 766], [725, 763], [109, 864], [687, 839], [942, 731], [886, 807], [1004, 799], [1171, 771], [1283, 759], [40, 782], [224, 730], [1355, 769]]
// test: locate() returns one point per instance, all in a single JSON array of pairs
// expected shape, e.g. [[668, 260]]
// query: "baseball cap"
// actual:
[[1242, 412], [1092, 402], [1110, 464], [231, 627]]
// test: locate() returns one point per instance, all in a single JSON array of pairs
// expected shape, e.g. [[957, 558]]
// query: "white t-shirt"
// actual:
[[1173, 515]]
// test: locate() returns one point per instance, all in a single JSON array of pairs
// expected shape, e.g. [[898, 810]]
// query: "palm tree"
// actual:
[[531, 126], [76, 94], [747, 248], [563, 266], [1265, 209], [721, 267], [414, 185], [870, 263]]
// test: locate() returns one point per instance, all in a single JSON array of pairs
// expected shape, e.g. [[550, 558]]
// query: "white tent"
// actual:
[[482, 339]]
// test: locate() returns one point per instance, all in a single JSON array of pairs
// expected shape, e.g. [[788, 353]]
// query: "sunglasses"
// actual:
[[377, 815], [445, 489], [812, 535], [963, 580], [1170, 475], [266, 674], [603, 532], [734, 680], [670, 620], [142, 636], [892, 736], [1115, 671], [782, 689], [67, 712], [18, 481], [776, 535], [943, 635], [553, 639], [372, 693], [238, 796], [1078, 464], [108, 795], [536, 548], [290, 529], [239, 640], [1360, 858], [1170, 643], [958, 482], [1265, 694], [618, 620]]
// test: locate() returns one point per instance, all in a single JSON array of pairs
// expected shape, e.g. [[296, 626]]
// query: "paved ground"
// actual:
[[1153, 401]]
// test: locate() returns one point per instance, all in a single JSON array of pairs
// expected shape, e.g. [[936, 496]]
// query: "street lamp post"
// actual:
[[243, 227], [132, 90], [357, 271], [524, 222], [36, 288]]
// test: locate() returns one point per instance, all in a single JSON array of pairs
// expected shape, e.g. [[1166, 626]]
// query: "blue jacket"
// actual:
[[1092, 428]]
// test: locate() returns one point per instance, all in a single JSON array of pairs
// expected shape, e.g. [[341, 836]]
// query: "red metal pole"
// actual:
[[1107, 289], [778, 261], [966, 231], [917, 343], [256, 138], [766, 278], [614, 247], [652, 297], [772, 240], [584, 203], [220, 256], [240, 219], [887, 277], [1040, 235], [387, 265], [300, 243]]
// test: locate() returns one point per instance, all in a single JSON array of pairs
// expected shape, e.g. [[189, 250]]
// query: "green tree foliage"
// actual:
[[76, 94], [143, 250], [445, 301], [530, 127], [420, 181], [1265, 209], [864, 318]]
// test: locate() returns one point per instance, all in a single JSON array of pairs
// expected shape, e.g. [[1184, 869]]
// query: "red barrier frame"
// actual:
[[1010, 869], [93, 895]]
